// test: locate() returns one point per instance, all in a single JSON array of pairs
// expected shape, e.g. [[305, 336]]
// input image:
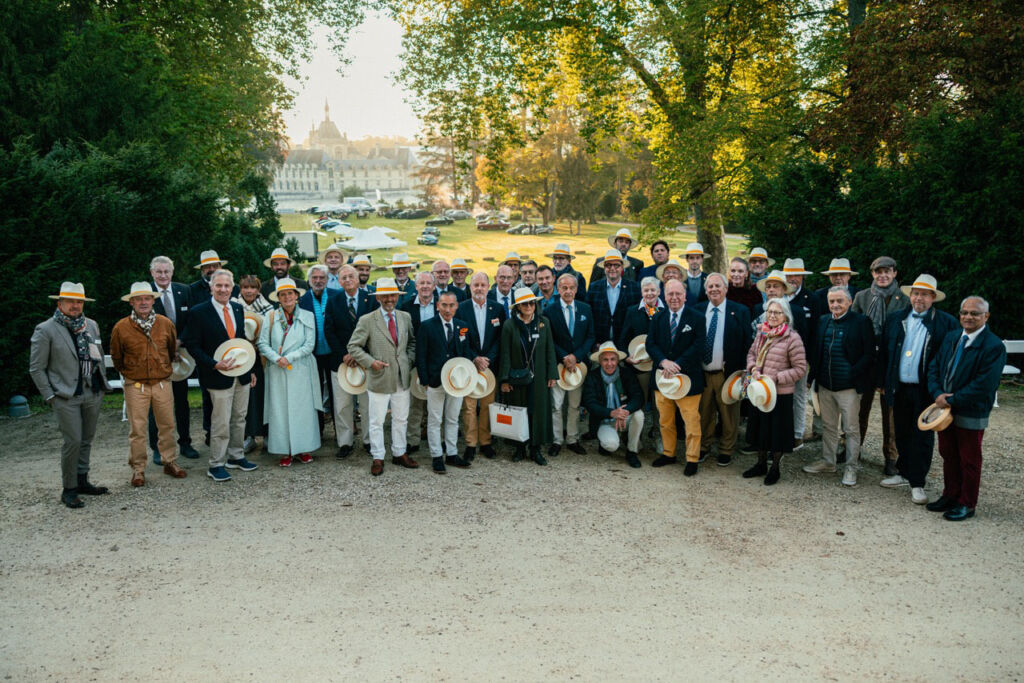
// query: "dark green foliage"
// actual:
[[608, 206]]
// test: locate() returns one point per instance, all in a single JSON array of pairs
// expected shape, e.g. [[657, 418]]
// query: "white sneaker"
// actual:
[[850, 476], [819, 467], [894, 482], [918, 495]]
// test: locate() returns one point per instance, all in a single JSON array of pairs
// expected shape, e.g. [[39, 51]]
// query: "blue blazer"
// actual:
[[581, 341], [432, 351], [182, 303], [975, 379], [894, 334], [685, 350], [205, 332], [412, 307], [737, 336], [606, 325], [491, 342], [339, 325]]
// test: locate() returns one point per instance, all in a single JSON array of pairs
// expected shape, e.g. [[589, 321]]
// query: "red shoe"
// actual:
[[286, 461], [305, 458]]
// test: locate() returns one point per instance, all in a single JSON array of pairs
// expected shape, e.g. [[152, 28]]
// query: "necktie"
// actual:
[[392, 328], [351, 308], [229, 323], [448, 332], [673, 325], [709, 341], [507, 311], [169, 311], [920, 316], [957, 355], [570, 318]]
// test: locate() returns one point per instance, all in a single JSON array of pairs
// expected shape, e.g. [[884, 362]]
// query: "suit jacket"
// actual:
[[805, 300], [581, 341], [737, 335], [53, 359], [204, 334], [372, 341], [306, 303], [338, 324], [271, 285], [937, 323], [630, 271], [975, 379], [594, 397], [491, 342], [685, 350], [460, 294], [492, 294], [182, 303], [690, 300], [637, 322], [581, 283], [412, 307], [433, 351], [606, 325]]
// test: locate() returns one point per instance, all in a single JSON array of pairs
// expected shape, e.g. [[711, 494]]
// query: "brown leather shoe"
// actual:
[[173, 470], [377, 468], [405, 461], [138, 479]]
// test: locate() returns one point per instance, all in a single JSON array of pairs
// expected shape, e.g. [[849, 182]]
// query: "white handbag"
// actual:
[[510, 422]]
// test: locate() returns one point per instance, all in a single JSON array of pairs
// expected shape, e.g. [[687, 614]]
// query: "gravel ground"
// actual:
[[586, 569]]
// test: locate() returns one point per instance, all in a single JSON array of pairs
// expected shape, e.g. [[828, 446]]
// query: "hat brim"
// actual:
[[446, 371], [491, 384], [771, 261], [596, 355], [182, 369], [939, 294], [411, 264], [352, 389], [693, 253], [298, 290], [568, 256], [761, 286], [266, 262], [415, 388], [728, 386], [580, 368], [659, 272], [770, 390], [633, 242], [256, 318], [469, 271], [203, 265], [238, 370], [128, 297], [839, 272], [72, 298], [934, 419], [681, 388]]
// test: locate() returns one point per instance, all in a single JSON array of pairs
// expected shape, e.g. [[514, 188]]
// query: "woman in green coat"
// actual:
[[526, 344]]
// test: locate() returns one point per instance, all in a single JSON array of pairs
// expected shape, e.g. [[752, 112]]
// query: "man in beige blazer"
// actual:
[[66, 364], [383, 344]]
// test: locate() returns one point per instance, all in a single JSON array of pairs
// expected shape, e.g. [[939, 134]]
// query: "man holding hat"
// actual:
[[216, 339], [964, 377], [421, 308], [759, 264], [572, 330], [334, 258], [674, 344], [612, 395], [383, 344], [209, 263], [142, 347], [622, 241], [882, 300], [280, 263], [695, 275], [485, 318], [66, 365], [909, 343], [611, 297], [561, 263]]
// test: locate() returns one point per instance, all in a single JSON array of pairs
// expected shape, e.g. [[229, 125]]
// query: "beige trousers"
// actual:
[[477, 428], [711, 403], [138, 399]]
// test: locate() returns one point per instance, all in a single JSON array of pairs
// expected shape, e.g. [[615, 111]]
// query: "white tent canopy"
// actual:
[[370, 239]]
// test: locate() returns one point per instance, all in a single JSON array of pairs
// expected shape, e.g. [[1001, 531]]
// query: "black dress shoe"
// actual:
[[941, 504], [577, 449], [469, 454], [412, 449], [520, 453], [703, 456], [690, 469], [588, 436], [70, 498], [604, 451], [87, 489], [958, 513], [538, 457], [772, 476], [663, 460], [724, 460], [188, 452], [438, 465], [632, 460], [456, 461], [488, 452], [554, 450], [344, 452], [758, 470]]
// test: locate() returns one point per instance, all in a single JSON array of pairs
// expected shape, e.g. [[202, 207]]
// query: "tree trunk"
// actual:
[[710, 233]]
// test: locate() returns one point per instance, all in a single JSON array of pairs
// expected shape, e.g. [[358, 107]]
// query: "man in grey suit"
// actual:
[[66, 364], [384, 345]]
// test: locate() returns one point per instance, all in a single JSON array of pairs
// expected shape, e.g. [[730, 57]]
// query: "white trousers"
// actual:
[[227, 423], [634, 428], [344, 415], [378, 409], [442, 408], [572, 418]]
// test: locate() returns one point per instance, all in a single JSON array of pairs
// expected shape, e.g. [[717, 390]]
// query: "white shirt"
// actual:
[[972, 336], [480, 313], [569, 312], [160, 292], [717, 351], [426, 312]]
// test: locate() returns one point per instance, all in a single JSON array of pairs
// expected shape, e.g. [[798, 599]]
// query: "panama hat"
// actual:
[[674, 387], [328, 250], [352, 379], [209, 257], [732, 388], [183, 366], [795, 266], [511, 257], [386, 285], [776, 276], [459, 377], [839, 266], [696, 249], [927, 282], [253, 324], [285, 284], [612, 255], [460, 264], [485, 383], [561, 249], [934, 418], [280, 252], [608, 437], [571, 379], [72, 290], [139, 289], [760, 252], [401, 261], [523, 295], [762, 394], [415, 388], [243, 353], [642, 361], [659, 272], [361, 260], [607, 347], [623, 232]]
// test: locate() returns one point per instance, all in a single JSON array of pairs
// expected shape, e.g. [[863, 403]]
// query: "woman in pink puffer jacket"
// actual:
[[777, 353]]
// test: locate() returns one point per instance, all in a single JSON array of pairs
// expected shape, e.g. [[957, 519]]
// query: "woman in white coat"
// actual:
[[287, 340]]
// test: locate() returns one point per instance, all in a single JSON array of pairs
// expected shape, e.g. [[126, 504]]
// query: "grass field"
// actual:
[[485, 249]]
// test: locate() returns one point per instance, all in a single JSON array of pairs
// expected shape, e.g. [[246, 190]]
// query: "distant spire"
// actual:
[[327, 111]]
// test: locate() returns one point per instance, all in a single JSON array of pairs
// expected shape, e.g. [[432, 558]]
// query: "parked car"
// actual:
[[413, 213], [518, 229], [492, 224], [432, 230], [440, 220], [427, 239], [543, 229], [457, 214]]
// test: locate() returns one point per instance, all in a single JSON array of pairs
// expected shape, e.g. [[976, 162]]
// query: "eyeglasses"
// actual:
[[774, 313], [971, 314]]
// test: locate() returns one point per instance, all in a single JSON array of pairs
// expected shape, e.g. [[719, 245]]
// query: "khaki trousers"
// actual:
[[477, 427], [729, 415], [417, 409], [836, 405], [559, 398], [138, 399], [344, 415], [689, 408], [227, 423]]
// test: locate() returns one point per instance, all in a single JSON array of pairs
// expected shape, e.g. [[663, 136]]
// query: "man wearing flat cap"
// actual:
[[66, 364]]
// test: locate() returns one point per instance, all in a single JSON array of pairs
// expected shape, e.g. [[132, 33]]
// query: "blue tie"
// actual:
[[958, 354], [572, 321], [709, 341], [673, 326], [506, 306]]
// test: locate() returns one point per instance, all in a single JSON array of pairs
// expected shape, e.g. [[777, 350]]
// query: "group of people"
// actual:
[[276, 359]]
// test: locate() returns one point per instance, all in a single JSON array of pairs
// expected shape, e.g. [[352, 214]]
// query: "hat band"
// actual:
[[402, 264], [767, 391], [792, 270], [388, 290], [922, 285], [525, 297], [694, 251], [837, 270], [560, 252], [71, 295], [287, 288], [209, 259], [613, 259]]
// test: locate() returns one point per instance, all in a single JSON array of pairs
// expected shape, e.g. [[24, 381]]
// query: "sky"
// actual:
[[365, 99]]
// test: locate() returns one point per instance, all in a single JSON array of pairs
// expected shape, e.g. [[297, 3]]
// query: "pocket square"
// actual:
[[687, 328]]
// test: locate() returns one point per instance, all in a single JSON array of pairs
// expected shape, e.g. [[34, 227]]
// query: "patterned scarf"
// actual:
[[82, 337], [879, 297], [259, 304], [611, 394], [766, 336], [145, 324]]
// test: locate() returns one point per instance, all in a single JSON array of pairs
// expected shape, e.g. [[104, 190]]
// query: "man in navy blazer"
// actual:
[[484, 318], [964, 377], [421, 307], [611, 297], [674, 345], [315, 301], [910, 340], [173, 302], [209, 326], [571, 347], [726, 341]]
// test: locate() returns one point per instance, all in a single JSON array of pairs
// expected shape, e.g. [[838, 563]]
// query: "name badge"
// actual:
[[535, 335]]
